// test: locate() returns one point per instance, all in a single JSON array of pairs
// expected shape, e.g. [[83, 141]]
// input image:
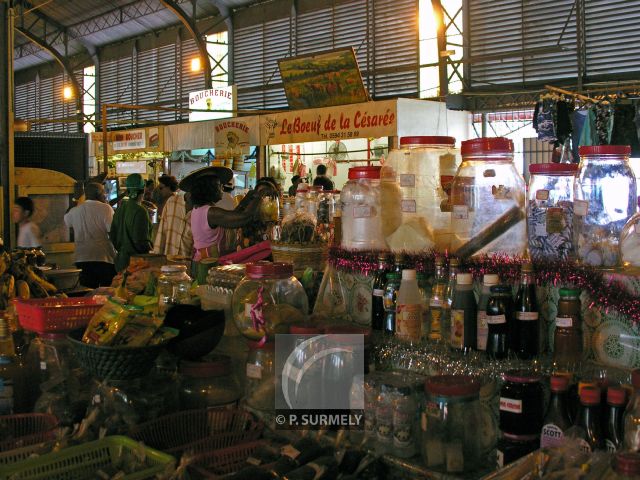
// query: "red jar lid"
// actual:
[[452, 386], [372, 173], [554, 168], [487, 145], [624, 150], [635, 378], [559, 383], [427, 140], [521, 376], [616, 396], [305, 330], [258, 270], [627, 463], [217, 366], [590, 396]]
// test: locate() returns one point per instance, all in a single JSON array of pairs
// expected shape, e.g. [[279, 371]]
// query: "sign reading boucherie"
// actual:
[[361, 120], [212, 100], [129, 140]]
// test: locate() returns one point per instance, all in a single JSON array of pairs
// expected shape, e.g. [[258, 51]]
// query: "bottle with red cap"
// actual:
[[589, 430], [632, 416], [424, 166], [616, 400], [605, 197], [488, 200], [557, 420]]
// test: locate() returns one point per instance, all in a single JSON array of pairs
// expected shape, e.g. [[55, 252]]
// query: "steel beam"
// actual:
[[190, 25]]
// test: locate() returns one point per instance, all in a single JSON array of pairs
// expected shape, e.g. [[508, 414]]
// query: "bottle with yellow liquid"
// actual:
[[438, 300]]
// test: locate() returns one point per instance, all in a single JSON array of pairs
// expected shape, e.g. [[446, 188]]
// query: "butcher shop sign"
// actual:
[[215, 101]]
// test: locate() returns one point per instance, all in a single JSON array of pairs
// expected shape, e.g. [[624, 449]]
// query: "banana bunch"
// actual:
[[17, 278], [7, 290]]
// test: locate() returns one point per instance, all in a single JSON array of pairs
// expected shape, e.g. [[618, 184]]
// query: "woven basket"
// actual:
[[198, 431], [114, 363], [301, 256]]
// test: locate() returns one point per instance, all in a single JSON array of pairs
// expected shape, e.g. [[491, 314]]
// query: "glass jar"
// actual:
[[567, 338], [301, 196], [260, 383], [424, 168], [452, 404], [368, 212], [208, 383], [605, 197], [630, 241], [267, 300], [54, 355], [488, 200], [269, 209], [550, 211], [326, 207], [303, 392], [521, 403], [174, 285]]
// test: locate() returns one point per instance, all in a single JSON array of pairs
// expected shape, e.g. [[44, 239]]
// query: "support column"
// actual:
[[6, 122]]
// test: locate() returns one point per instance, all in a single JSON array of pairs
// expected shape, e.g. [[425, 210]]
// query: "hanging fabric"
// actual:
[[624, 127], [589, 131], [578, 120], [563, 128], [604, 123], [545, 121]]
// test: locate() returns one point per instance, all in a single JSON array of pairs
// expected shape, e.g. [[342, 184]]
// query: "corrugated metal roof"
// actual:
[[101, 22]]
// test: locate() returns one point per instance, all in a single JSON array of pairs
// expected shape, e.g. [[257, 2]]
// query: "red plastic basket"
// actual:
[[215, 463], [56, 315], [198, 430], [25, 429]]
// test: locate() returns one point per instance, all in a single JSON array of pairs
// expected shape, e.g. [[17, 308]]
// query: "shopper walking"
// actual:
[[131, 228], [94, 252], [28, 231]]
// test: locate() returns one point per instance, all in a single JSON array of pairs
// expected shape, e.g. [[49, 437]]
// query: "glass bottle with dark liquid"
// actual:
[[526, 316], [499, 317], [377, 299]]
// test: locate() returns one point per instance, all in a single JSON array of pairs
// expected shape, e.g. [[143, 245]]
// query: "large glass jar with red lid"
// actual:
[[424, 167], [208, 383], [488, 200], [370, 209], [452, 422], [605, 197], [267, 300], [550, 210]]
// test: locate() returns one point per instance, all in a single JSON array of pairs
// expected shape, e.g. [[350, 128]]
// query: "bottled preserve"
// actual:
[[438, 300], [488, 281], [463, 314], [425, 289], [377, 299], [521, 403], [526, 315], [557, 420], [390, 300], [567, 339], [409, 308], [448, 295], [613, 434], [588, 419], [499, 319]]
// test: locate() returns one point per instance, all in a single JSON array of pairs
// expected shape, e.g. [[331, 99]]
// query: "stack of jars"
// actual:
[[488, 200]]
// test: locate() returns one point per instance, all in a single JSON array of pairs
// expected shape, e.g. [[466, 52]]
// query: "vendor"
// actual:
[[131, 228], [207, 221]]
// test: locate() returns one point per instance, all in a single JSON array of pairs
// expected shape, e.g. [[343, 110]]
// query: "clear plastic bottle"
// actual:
[[174, 286], [409, 308], [463, 314], [488, 281]]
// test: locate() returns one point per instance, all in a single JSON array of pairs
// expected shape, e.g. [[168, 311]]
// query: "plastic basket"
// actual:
[[56, 315], [82, 461], [19, 454], [199, 430], [26, 429], [215, 463], [114, 363]]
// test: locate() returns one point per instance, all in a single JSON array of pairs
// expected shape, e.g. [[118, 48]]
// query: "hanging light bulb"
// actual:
[[67, 93], [195, 64]]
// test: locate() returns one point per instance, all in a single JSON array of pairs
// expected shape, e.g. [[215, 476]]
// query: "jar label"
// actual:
[[542, 195], [460, 212], [483, 331], [496, 319], [510, 405], [407, 180], [247, 310], [436, 315], [402, 431], [555, 220], [409, 321], [254, 371], [564, 322], [378, 292], [363, 211], [489, 173], [408, 206], [552, 436], [43, 365], [457, 328], [290, 451], [527, 316], [580, 207]]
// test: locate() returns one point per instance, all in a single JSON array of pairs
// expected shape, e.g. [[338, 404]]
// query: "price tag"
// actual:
[[460, 212], [580, 207], [362, 212], [564, 322], [254, 371], [555, 220], [527, 316], [43, 365], [542, 195], [496, 319], [408, 206], [96, 399], [377, 292], [407, 180], [290, 451]]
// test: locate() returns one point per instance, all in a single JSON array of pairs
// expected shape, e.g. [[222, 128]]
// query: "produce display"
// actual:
[[20, 279]]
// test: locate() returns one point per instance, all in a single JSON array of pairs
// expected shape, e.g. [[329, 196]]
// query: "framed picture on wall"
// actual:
[[322, 79]]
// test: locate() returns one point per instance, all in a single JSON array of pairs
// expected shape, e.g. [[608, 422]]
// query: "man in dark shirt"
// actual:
[[322, 180]]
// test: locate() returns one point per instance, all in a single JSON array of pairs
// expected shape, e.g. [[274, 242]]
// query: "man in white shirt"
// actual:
[[91, 222]]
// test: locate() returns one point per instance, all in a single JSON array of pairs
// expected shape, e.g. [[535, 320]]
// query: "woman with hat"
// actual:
[[208, 222], [131, 227]]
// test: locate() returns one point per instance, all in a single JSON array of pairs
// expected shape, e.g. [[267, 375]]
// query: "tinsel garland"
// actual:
[[605, 292]]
